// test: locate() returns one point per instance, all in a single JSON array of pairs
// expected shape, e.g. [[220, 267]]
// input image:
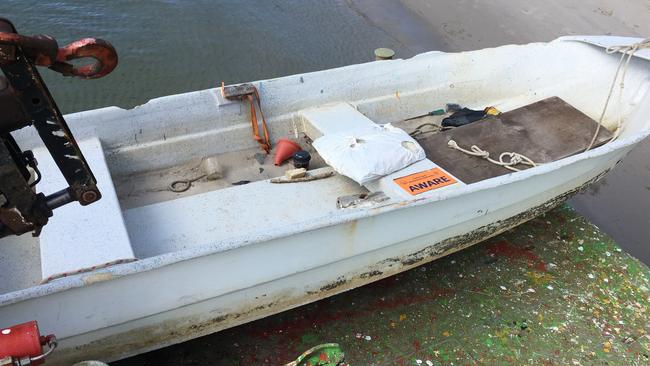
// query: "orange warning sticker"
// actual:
[[425, 181]]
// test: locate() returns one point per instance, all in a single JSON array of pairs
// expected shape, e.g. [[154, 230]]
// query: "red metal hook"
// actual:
[[44, 51], [103, 53]]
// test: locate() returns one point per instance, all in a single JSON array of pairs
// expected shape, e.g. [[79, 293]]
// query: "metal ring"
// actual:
[[180, 186]]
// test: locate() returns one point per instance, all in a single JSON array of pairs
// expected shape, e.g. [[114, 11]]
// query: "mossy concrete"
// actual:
[[554, 291]]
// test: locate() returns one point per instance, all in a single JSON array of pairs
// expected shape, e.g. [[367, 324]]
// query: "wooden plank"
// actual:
[[544, 131]]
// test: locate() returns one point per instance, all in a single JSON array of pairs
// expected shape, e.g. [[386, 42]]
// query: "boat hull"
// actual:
[[196, 302]]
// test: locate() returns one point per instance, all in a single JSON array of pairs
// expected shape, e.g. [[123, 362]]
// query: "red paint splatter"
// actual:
[[291, 330], [513, 252], [416, 345], [436, 292]]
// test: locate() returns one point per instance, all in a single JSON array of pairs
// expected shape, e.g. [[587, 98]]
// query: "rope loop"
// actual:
[[629, 48], [507, 159], [627, 52]]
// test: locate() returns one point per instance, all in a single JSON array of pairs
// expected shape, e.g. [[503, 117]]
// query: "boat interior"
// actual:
[[545, 110]]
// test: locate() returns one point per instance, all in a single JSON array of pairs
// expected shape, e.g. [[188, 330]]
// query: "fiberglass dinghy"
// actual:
[[148, 266]]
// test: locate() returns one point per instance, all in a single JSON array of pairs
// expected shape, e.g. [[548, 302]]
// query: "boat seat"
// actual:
[[79, 239], [331, 118], [339, 117]]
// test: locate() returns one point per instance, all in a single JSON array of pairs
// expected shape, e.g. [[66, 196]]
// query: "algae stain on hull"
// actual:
[[179, 330]]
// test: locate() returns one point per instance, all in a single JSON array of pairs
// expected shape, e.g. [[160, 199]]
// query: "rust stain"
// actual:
[[350, 237], [351, 228], [97, 277]]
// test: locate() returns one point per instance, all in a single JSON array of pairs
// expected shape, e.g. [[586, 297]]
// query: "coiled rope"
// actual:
[[507, 160], [623, 64]]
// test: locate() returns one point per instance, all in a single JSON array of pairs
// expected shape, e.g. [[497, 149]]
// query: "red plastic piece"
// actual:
[[285, 149], [23, 340]]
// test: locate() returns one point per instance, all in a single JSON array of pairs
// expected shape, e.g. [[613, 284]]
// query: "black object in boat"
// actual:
[[463, 116], [301, 159]]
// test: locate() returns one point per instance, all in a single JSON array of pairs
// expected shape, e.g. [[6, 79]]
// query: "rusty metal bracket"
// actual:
[[25, 101], [43, 50]]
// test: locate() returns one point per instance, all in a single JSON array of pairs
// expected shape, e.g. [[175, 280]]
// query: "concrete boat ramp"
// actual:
[[554, 291]]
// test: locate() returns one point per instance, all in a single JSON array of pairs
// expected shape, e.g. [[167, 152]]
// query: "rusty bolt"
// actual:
[[88, 197]]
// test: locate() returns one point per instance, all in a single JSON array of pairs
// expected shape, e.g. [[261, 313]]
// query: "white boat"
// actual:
[[145, 267]]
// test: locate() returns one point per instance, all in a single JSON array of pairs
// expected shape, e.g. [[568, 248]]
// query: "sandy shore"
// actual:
[[620, 203], [466, 25]]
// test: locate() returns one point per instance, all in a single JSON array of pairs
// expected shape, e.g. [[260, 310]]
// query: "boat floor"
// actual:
[[238, 167], [544, 131]]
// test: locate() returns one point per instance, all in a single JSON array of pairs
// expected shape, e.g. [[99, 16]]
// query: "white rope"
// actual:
[[623, 64], [513, 157]]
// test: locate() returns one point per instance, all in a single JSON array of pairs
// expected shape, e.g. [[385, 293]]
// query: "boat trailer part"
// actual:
[[26, 101], [328, 354], [23, 344]]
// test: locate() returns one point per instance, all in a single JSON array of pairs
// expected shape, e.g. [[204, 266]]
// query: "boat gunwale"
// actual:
[[345, 216]]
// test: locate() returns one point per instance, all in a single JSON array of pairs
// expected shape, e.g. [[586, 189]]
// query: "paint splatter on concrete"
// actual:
[[554, 291]]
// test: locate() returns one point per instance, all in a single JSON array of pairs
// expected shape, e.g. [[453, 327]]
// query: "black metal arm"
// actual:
[[25, 101]]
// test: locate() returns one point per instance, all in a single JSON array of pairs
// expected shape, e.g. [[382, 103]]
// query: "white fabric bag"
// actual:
[[369, 152]]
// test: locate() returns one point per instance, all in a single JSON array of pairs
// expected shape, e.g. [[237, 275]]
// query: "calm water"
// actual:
[[173, 46]]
